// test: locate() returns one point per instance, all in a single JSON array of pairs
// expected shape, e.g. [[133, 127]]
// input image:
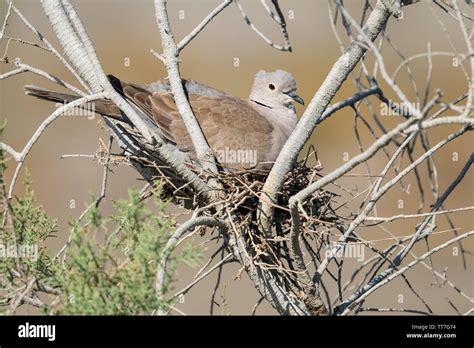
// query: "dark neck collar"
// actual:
[[261, 104]]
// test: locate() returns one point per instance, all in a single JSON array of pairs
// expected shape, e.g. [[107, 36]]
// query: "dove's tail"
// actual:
[[103, 107], [45, 94]]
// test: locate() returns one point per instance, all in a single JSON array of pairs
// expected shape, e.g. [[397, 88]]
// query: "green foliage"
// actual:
[[100, 272], [117, 277], [23, 234], [30, 222]]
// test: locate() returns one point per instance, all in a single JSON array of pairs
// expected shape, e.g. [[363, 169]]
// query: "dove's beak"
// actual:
[[296, 97]]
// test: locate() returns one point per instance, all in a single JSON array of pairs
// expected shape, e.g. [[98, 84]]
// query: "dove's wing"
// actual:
[[239, 136]]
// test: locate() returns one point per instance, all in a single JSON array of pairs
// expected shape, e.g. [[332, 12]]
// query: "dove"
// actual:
[[243, 133]]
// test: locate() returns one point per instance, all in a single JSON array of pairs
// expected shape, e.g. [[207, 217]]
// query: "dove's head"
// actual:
[[275, 89]]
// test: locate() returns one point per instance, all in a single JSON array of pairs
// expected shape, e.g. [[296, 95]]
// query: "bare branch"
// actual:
[[187, 226], [355, 299], [39, 131], [186, 40], [170, 54], [282, 24], [414, 216], [333, 82]]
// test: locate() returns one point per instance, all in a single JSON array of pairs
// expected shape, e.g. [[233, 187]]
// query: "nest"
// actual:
[[242, 192]]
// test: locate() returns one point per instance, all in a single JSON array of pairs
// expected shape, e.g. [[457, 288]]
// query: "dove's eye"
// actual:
[[271, 86]]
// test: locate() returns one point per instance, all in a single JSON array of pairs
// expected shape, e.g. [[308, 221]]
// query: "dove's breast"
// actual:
[[283, 122]]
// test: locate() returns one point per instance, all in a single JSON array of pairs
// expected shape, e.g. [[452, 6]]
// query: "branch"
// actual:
[[170, 245], [440, 121], [310, 289], [170, 55], [355, 299], [26, 68], [351, 101], [281, 22], [20, 157], [414, 216], [5, 21], [51, 48], [186, 40], [378, 193], [385, 276], [439, 202], [280, 19], [353, 162], [80, 51], [265, 282], [225, 259], [333, 82]]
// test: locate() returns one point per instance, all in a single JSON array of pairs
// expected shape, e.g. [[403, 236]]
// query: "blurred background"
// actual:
[[123, 33]]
